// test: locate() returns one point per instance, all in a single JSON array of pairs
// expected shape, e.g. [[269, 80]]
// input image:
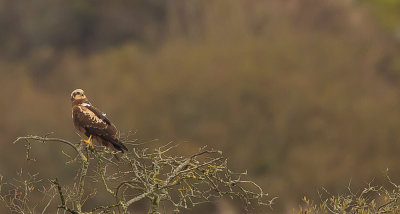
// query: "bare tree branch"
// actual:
[[141, 174]]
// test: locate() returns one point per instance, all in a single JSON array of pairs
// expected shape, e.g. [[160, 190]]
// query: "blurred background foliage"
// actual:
[[303, 94]]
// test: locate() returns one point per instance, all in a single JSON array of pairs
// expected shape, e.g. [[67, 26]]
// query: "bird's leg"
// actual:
[[89, 141]]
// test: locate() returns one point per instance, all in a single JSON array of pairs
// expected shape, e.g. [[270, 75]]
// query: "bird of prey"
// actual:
[[93, 123]]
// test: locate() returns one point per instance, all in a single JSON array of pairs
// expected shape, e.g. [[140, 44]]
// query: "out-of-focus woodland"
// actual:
[[303, 94]]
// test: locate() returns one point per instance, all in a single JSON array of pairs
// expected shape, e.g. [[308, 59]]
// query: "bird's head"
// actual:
[[78, 94]]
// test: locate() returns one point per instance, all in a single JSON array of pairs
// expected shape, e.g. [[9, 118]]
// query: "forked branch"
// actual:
[[156, 175]]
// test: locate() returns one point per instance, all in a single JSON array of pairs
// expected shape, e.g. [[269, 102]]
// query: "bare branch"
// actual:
[[141, 174], [47, 139]]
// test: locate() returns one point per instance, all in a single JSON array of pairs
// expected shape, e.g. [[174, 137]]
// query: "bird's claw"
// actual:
[[88, 141]]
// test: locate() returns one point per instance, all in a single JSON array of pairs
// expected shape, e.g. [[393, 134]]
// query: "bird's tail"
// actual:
[[118, 145], [113, 143]]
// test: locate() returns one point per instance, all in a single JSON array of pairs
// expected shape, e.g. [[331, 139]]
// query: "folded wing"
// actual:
[[92, 121]]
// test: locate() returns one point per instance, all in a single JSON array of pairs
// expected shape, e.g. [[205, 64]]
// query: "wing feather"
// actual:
[[92, 121], [99, 114]]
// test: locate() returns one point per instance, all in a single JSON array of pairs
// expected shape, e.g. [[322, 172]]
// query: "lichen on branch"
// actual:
[[156, 175]]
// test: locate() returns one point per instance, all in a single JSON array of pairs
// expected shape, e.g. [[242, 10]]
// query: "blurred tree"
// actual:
[[86, 26], [302, 93]]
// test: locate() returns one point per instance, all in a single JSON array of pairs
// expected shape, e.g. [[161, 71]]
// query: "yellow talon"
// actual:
[[89, 141]]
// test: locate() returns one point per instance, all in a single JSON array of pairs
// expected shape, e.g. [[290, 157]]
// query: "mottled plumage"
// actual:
[[92, 122]]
